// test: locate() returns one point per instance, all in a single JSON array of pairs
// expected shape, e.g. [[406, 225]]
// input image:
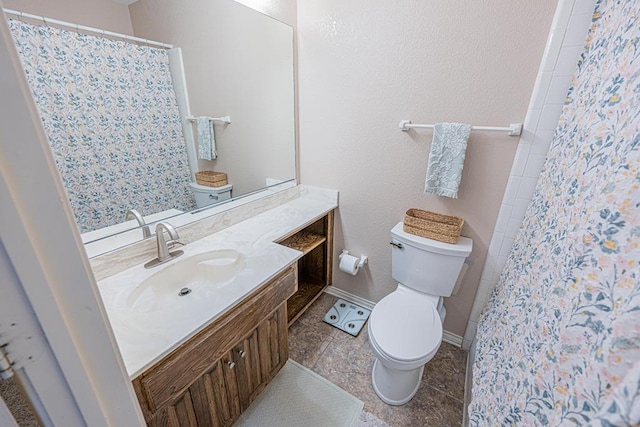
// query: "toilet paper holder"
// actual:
[[361, 261]]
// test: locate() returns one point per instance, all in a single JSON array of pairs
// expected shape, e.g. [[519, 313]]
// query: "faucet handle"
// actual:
[[172, 243]]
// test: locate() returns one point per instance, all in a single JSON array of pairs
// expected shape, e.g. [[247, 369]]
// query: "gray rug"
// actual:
[[300, 397], [367, 419]]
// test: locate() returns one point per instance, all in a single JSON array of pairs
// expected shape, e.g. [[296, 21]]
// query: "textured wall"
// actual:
[[103, 14], [559, 341], [363, 67]]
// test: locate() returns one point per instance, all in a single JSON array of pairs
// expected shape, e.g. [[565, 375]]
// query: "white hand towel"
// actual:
[[206, 139], [448, 149]]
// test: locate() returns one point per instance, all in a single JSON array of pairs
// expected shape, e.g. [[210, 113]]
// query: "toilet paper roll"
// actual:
[[349, 264]]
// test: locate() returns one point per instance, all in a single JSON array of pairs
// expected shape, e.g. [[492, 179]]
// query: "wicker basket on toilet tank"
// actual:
[[432, 225], [211, 178]]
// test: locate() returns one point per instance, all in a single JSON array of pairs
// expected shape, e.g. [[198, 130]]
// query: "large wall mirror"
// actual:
[[236, 62]]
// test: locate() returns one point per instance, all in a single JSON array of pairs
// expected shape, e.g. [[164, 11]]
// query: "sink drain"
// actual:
[[184, 291]]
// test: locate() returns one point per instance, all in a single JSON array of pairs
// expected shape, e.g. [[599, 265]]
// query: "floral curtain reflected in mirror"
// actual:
[[109, 110]]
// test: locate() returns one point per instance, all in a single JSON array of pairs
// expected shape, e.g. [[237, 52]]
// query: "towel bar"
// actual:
[[224, 119], [514, 129]]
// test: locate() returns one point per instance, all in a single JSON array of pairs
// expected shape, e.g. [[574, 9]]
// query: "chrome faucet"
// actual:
[[164, 246], [134, 214]]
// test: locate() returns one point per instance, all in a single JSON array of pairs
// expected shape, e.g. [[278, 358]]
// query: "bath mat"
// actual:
[[367, 419], [347, 316], [300, 397]]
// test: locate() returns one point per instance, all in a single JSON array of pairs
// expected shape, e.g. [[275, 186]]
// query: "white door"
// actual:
[[70, 364]]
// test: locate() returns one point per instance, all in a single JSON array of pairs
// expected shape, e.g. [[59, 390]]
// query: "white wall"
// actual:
[[103, 14], [282, 10], [364, 66], [564, 46]]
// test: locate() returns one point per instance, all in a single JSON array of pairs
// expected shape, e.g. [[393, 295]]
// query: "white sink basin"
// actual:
[[186, 281]]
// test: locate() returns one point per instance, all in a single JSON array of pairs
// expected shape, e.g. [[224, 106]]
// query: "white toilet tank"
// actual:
[[206, 195], [427, 265]]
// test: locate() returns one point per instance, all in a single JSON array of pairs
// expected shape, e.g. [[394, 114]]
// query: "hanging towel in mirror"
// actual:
[[206, 138], [446, 159]]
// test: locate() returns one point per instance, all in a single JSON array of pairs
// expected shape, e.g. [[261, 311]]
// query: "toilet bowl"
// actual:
[[405, 327], [403, 341]]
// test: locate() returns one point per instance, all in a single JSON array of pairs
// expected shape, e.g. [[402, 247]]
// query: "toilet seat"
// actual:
[[405, 328]]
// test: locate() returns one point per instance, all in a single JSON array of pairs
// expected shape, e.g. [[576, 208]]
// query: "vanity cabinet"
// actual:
[[315, 241], [215, 375]]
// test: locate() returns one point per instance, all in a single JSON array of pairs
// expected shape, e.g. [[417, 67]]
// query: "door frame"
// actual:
[[80, 363]]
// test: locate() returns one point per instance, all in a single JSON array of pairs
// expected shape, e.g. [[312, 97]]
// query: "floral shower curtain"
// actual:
[[559, 341], [110, 113]]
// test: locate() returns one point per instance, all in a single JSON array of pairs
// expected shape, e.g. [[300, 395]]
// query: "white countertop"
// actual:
[[144, 338]]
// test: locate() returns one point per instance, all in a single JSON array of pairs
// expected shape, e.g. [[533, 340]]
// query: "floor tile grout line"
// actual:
[[330, 340], [445, 393]]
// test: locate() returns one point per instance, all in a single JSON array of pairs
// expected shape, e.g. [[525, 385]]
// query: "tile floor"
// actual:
[[347, 361]]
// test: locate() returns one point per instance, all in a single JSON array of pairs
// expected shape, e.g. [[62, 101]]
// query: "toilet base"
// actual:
[[393, 386]]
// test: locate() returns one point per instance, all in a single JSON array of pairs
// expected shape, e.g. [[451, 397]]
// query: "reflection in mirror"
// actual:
[[117, 114]]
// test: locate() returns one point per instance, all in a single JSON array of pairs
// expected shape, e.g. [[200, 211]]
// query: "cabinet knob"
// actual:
[[231, 365], [213, 197], [242, 353]]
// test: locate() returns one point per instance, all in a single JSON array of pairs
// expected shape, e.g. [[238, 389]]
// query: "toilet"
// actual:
[[206, 195], [405, 327]]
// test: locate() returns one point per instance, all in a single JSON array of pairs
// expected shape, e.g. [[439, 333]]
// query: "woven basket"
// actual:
[[433, 225], [211, 178]]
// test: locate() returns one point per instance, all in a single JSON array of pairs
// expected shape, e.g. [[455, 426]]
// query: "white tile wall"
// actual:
[[565, 44], [578, 27], [549, 116], [567, 60]]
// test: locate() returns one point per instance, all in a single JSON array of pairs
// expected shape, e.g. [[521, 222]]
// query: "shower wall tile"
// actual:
[[510, 193], [496, 244], [520, 160], [549, 116], [531, 121], [534, 165], [542, 141], [502, 221], [512, 228], [563, 15], [554, 45], [505, 248], [558, 89], [519, 208], [578, 28], [567, 60], [501, 262], [540, 90], [527, 187], [562, 53]]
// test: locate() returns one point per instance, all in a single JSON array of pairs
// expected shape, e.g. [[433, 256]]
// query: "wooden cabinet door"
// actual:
[[273, 345], [248, 373], [211, 401], [260, 356]]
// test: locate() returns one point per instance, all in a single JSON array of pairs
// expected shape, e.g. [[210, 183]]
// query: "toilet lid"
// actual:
[[406, 328]]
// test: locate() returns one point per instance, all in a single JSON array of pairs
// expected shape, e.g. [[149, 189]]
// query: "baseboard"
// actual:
[[447, 336], [452, 338], [350, 297]]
